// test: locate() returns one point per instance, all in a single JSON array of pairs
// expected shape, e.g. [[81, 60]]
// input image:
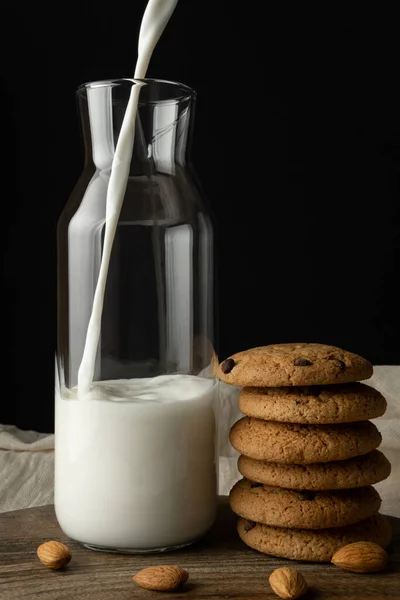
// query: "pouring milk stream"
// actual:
[[135, 460], [155, 19]]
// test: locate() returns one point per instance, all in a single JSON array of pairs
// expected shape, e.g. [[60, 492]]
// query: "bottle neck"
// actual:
[[162, 132]]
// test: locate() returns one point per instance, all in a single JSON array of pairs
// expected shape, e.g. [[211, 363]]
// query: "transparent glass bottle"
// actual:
[[135, 459]]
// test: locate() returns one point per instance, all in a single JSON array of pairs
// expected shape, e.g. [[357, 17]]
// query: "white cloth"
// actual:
[[27, 457], [26, 468]]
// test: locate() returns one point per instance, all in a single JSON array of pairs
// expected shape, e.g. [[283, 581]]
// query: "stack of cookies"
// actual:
[[308, 451]]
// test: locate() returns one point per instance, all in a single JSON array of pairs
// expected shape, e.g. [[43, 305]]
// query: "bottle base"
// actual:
[[136, 550]]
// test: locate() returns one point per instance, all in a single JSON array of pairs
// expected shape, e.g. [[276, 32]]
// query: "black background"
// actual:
[[297, 145]]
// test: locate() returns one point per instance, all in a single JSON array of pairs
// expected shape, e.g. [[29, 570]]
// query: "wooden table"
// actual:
[[220, 566]]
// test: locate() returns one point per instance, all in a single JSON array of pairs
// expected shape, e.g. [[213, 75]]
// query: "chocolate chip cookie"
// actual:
[[342, 474], [303, 444], [281, 507], [315, 546], [300, 364], [343, 403]]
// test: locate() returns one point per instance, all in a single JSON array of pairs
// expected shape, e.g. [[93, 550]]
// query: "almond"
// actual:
[[54, 555], [161, 579], [288, 583], [361, 557]]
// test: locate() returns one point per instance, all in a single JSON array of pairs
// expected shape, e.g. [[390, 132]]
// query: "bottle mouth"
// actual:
[[153, 91]]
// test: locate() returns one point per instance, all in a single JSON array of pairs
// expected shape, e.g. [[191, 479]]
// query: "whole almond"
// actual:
[[361, 557], [161, 579], [54, 555], [288, 583]]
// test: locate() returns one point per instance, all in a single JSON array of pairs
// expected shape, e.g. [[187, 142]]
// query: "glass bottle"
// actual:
[[135, 458]]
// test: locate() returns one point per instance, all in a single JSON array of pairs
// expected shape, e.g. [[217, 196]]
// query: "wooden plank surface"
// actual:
[[220, 567]]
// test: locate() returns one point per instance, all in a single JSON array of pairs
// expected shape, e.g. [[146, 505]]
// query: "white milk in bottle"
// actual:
[[135, 465]]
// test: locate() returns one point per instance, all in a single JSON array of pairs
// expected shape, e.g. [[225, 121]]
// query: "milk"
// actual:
[[134, 463]]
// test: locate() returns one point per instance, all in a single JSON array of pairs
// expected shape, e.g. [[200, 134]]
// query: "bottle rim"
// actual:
[[177, 91]]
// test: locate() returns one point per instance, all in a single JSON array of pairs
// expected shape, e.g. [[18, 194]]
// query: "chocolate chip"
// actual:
[[249, 525], [227, 365], [254, 484], [302, 362], [306, 495], [340, 363]]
